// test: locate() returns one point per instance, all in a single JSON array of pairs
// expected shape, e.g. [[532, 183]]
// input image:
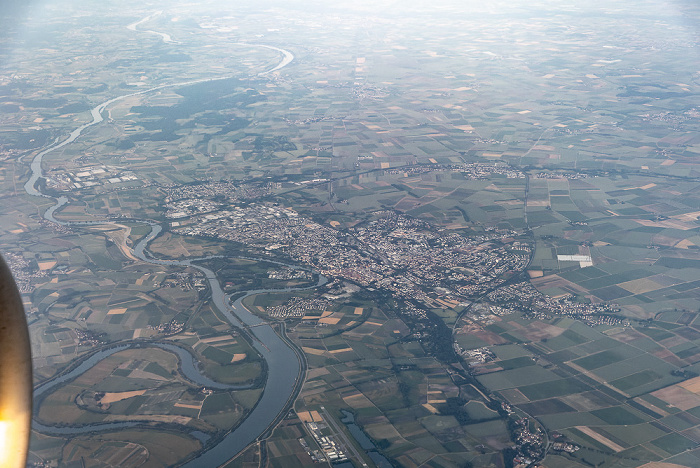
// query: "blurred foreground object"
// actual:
[[15, 374]]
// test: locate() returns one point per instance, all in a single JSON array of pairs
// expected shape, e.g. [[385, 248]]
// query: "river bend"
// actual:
[[284, 361]]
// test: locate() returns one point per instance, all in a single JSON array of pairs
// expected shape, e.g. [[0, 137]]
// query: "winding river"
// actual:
[[285, 363], [188, 369]]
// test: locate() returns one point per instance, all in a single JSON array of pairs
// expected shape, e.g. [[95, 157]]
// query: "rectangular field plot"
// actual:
[[618, 415], [553, 388], [601, 359], [674, 443], [516, 377], [550, 406]]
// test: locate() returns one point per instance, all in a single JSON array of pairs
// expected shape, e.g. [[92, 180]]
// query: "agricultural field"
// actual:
[[94, 291], [620, 393], [153, 448], [126, 387], [456, 198], [637, 232], [362, 371], [545, 153], [133, 386], [171, 245]]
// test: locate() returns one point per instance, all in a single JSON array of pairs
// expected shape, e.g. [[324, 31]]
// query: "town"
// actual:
[[416, 262]]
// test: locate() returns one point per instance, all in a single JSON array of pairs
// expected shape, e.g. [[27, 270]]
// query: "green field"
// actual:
[[439, 171]]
